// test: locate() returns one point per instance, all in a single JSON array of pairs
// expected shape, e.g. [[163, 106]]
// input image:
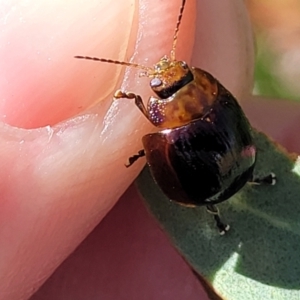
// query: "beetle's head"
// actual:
[[168, 76]]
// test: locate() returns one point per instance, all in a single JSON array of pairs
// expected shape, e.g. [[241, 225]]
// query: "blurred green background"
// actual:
[[277, 33]]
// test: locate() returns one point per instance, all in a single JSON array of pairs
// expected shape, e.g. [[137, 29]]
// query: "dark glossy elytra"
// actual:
[[204, 152]]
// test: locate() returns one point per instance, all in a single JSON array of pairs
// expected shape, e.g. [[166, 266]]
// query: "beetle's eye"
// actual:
[[155, 82], [184, 65]]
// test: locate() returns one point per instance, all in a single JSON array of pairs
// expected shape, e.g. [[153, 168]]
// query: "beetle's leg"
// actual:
[[137, 99], [135, 157], [267, 180], [223, 228]]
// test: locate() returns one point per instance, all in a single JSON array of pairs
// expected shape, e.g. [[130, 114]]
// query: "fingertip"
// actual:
[[224, 47]]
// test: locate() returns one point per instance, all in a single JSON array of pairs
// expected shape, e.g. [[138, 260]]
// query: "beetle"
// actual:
[[204, 151]]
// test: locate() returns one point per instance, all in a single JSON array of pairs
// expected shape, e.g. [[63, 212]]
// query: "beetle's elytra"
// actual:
[[204, 152]]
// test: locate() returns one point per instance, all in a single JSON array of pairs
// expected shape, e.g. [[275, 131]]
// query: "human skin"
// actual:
[[59, 181]]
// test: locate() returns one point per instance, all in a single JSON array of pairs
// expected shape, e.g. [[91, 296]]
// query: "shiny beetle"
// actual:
[[204, 152]]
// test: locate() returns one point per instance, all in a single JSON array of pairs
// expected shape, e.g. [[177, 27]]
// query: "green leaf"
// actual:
[[259, 258]]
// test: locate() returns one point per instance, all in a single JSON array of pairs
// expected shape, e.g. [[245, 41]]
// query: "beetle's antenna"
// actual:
[[177, 30], [123, 63]]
